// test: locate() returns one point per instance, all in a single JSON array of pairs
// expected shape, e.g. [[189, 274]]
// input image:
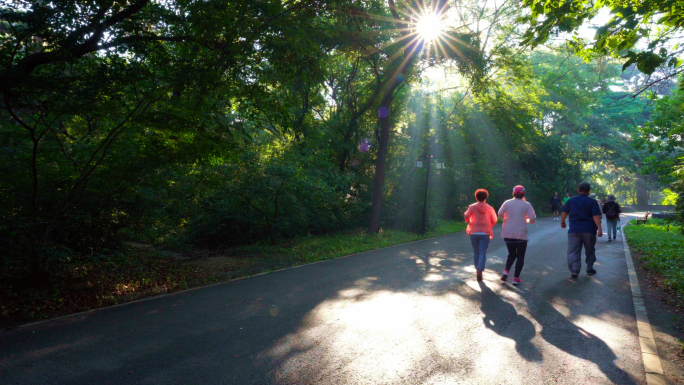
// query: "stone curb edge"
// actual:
[[649, 351], [37, 323]]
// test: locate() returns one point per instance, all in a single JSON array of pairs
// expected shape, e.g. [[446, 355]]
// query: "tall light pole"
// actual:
[[419, 164]]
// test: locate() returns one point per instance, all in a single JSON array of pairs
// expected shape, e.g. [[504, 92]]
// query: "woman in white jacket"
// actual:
[[516, 214]]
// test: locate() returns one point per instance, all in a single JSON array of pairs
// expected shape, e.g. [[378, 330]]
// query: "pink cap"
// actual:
[[518, 189]]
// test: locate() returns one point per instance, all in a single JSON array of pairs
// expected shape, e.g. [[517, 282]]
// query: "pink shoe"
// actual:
[[504, 276], [517, 281]]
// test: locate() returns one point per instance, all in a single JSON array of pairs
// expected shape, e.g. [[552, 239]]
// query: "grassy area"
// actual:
[[91, 282], [318, 248], [660, 247]]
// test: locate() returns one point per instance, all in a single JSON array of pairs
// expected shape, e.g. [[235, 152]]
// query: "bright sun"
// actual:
[[430, 27]]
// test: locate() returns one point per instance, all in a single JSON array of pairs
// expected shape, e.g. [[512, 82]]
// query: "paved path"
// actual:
[[410, 314]]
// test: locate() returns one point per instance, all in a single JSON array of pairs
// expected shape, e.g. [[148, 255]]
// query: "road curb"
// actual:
[[649, 350], [37, 323]]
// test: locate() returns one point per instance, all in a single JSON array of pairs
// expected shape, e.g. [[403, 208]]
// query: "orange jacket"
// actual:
[[481, 217]]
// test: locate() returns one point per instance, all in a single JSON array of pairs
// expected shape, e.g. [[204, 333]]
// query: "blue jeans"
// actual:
[[575, 243], [480, 245], [612, 228]]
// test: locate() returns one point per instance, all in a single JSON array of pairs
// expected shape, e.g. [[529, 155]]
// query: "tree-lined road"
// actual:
[[403, 315]]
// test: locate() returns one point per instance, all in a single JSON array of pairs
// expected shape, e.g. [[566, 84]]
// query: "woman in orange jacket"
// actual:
[[481, 217]]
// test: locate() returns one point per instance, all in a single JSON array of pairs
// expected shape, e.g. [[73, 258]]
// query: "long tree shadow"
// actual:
[[572, 339], [502, 318]]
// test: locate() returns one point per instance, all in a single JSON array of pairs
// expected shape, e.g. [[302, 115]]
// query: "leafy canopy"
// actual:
[[639, 31]]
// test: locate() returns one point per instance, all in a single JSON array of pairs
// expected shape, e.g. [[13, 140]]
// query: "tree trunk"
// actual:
[[642, 194], [380, 161], [393, 82]]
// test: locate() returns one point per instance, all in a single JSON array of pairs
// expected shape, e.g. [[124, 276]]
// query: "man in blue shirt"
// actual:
[[585, 222]]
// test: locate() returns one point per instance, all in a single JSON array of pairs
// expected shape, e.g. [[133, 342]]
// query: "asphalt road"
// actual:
[[410, 314]]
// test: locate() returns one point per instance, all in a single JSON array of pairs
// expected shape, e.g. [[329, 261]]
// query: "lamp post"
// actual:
[[439, 165]]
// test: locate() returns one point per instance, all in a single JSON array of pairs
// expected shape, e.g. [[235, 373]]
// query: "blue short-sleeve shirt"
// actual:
[[581, 210]]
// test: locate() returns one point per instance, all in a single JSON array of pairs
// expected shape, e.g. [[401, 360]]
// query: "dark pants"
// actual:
[[516, 253], [575, 243]]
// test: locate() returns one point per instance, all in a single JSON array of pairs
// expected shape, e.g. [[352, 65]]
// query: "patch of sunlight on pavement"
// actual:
[[428, 262], [445, 328], [389, 337], [351, 293], [563, 307], [589, 331], [381, 336], [434, 278], [473, 285]]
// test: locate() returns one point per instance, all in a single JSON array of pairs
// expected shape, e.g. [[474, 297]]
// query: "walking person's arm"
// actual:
[[468, 214], [531, 217], [596, 212], [492, 216], [502, 211], [597, 220], [565, 210]]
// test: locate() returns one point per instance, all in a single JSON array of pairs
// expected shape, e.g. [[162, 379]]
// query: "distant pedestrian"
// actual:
[[595, 197], [565, 199], [516, 214], [555, 203], [585, 222], [612, 211], [481, 217]]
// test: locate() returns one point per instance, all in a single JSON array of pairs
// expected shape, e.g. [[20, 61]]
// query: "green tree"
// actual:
[[662, 137], [84, 82], [655, 23]]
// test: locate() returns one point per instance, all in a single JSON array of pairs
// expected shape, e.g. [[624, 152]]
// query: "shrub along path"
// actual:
[[88, 282], [658, 251], [660, 246]]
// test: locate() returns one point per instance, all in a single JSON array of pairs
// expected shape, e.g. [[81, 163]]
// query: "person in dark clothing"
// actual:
[[612, 211], [555, 203], [585, 223]]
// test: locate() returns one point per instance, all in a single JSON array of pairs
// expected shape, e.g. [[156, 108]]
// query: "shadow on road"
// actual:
[[502, 318], [572, 339]]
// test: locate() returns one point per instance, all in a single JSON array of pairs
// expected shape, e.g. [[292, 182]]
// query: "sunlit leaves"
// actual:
[[631, 23]]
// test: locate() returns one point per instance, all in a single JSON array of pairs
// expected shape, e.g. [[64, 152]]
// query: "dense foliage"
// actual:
[[224, 123], [638, 32], [663, 138]]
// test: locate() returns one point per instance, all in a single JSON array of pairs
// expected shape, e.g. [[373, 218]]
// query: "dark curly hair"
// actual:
[[481, 195]]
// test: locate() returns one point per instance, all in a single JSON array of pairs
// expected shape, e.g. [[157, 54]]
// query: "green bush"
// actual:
[[661, 249]]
